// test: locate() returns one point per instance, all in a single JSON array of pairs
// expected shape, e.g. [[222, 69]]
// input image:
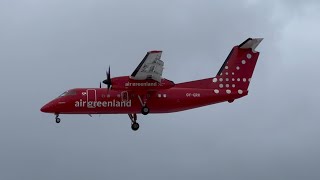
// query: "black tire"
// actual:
[[135, 126], [145, 110], [58, 120]]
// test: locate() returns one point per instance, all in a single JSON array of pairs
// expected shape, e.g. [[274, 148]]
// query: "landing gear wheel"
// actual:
[[58, 120], [135, 126], [145, 110]]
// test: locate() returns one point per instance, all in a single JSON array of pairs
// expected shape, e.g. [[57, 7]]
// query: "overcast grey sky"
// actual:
[[47, 47]]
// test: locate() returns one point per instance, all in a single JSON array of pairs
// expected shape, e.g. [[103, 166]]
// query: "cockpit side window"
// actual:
[[63, 94], [71, 93], [68, 93]]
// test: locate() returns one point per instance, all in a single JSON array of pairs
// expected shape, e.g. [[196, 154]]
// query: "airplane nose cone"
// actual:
[[46, 108]]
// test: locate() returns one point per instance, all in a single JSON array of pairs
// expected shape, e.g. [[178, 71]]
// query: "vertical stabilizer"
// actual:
[[237, 70], [235, 74]]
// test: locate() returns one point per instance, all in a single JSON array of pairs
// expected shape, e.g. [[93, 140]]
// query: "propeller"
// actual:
[[100, 84], [108, 80]]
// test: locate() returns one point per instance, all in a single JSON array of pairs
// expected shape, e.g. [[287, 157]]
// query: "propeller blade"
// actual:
[[105, 82], [108, 76], [108, 80], [100, 84]]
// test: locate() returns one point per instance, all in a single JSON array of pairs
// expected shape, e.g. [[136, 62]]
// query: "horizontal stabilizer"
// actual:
[[250, 43]]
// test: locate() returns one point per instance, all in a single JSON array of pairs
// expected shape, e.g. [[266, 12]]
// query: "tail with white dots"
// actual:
[[235, 74]]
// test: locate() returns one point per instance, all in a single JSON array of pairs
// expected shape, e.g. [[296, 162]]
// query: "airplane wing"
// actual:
[[150, 67]]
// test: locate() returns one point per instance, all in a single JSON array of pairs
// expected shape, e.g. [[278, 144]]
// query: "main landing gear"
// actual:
[[58, 120], [134, 124], [144, 110]]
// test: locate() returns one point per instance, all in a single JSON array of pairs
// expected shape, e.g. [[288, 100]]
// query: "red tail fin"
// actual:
[[236, 72]]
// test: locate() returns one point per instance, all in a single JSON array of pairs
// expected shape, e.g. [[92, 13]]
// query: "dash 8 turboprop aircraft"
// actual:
[[145, 91]]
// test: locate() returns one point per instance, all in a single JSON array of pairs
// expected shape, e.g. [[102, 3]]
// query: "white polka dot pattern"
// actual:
[[214, 80], [225, 76]]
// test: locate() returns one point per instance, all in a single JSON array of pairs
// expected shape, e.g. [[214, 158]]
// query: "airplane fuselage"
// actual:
[[104, 101]]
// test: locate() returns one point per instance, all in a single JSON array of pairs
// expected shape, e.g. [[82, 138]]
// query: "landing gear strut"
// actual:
[[144, 110], [134, 124], [58, 120]]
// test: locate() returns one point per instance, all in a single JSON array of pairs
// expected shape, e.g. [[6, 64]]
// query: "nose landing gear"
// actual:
[[58, 120]]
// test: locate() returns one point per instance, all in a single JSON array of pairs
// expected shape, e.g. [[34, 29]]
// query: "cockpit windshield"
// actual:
[[68, 93]]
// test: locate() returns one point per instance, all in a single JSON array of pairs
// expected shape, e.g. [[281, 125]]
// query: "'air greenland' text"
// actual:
[[98, 104], [141, 84]]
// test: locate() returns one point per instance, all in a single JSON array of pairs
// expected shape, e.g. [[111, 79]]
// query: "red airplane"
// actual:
[[145, 91]]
